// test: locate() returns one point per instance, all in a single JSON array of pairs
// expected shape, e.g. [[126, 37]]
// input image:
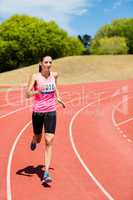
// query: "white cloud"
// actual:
[[62, 11], [115, 5]]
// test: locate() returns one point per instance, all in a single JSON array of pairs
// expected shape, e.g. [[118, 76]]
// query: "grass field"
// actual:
[[79, 69]]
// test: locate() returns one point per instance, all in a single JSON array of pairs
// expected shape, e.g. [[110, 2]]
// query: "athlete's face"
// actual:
[[46, 63]]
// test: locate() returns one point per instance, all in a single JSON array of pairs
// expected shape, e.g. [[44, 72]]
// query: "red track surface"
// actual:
[[93, 146]]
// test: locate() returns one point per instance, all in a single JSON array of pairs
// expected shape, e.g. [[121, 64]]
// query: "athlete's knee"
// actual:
[[49, 141], [38, 138]]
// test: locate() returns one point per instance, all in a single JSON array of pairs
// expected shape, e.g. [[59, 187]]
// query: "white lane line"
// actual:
[[14, 111], [129, 140], [9, 194], [120, 123], [124, 122], [14, 103], [125, 136], [109, 197], [114, 110]]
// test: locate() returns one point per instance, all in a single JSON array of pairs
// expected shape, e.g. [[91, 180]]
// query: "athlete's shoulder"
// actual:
[[55, 74]]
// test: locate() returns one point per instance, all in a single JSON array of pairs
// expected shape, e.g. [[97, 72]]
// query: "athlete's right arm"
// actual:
[[29, 91]]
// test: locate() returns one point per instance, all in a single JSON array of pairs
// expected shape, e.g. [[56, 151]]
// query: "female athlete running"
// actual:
[[43, 86]]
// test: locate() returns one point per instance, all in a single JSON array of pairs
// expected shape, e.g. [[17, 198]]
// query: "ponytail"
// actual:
[[40, 67]]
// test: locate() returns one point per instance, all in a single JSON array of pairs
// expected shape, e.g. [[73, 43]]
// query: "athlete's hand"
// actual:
[[61, 102]]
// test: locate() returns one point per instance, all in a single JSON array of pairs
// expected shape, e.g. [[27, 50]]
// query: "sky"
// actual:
[[77, 17]]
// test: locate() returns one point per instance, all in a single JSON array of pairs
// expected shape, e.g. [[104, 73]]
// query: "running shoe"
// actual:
[[47, 178], [33, 146]]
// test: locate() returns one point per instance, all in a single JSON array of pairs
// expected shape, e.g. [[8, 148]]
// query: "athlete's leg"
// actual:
[[37, 138], [49, 125], [37, 123], [49, 137]]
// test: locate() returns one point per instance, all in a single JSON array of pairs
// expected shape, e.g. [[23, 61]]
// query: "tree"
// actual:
[[86, 41], [26, 39]]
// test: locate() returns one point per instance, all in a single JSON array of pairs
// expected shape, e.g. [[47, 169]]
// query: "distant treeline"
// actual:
[[25, 39]]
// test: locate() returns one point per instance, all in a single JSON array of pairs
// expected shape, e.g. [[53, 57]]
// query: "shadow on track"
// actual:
[[30, 170]]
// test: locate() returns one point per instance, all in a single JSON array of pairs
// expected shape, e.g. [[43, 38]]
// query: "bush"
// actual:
[[120, 28], [112, 45]]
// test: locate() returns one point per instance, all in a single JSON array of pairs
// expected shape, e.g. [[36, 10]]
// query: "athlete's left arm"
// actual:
[[57, 91]]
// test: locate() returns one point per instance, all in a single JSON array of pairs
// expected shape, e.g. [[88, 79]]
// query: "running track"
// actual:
[[93, 146]]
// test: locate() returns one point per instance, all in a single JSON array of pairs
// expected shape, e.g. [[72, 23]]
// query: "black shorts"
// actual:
[[48, 120]]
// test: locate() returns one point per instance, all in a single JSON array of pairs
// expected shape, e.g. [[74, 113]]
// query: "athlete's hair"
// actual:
[[40, 67], [41, 60]]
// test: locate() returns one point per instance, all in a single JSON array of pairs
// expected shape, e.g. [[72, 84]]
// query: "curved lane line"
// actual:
[[109, 197]]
